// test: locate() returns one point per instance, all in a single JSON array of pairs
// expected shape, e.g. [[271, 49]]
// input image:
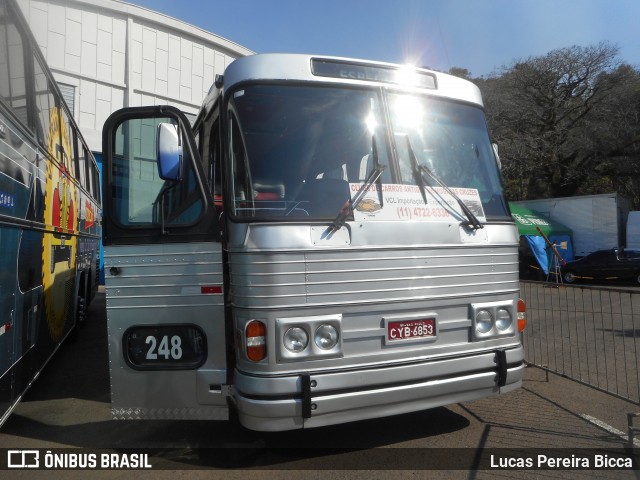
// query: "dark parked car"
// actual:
[[615, 264]]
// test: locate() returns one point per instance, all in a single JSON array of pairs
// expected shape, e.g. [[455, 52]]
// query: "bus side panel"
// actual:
[[165, 286], [8, 242], [27, 339], [17, 169], [41, 202]]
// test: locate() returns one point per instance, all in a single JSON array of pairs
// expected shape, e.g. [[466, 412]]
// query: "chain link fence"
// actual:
[[588, 334]]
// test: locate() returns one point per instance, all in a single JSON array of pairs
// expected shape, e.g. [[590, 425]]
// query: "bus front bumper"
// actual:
[[317, 399]]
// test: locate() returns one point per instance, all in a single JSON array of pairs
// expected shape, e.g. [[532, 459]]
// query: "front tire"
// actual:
[[569, 277]]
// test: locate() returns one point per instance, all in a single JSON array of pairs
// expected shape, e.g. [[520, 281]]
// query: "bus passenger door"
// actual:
[[163, 271]]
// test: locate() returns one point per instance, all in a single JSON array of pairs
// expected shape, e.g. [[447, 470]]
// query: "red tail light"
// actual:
[[522, 315], [255, 340]]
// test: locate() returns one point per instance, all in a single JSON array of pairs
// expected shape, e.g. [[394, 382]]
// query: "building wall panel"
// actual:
[[88, 43]]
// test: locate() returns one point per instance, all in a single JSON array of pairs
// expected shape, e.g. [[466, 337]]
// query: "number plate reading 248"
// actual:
[[165, 347], [411, 329]]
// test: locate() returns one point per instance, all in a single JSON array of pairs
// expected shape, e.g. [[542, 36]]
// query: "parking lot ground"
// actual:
[[68, 407]]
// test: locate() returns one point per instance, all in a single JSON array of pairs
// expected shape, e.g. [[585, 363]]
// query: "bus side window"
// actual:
[[13, 85], [140, 197], [215, 172], [45, 101], [209, 146], [82, 164], [243, 190], [67, 134], [88, 164], [96, 182]]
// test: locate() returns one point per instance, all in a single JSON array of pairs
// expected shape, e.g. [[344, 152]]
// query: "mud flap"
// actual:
[[305, 384], [501, 361]]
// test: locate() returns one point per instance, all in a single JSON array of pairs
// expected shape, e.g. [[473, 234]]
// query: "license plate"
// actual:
[[411, 329]]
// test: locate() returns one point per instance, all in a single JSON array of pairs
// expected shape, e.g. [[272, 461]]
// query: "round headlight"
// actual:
[[503, 319], [484, 322], [326, 337], [296, 339]]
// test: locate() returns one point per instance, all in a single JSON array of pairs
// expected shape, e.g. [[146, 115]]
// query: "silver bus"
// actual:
[[328, 242]]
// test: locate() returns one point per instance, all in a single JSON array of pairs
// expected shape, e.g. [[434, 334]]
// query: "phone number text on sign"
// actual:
[[409, 213], [410, 204]]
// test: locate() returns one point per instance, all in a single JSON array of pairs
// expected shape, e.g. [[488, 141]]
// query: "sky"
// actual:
[[480, 35]]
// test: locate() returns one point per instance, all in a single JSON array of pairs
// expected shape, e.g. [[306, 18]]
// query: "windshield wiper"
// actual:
[[418, 171], [415, 168], [377, 168], [375, 176]]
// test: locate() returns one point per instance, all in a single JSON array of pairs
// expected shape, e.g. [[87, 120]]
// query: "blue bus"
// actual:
[[50, 213]]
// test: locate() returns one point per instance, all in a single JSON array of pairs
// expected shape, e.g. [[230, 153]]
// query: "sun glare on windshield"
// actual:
[[408, 112]]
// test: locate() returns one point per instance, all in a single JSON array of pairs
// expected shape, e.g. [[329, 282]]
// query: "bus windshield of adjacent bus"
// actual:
[[302, 153]]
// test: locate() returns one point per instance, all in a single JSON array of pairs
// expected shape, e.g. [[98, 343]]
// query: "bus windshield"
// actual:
[[451, 141], [301, 152]]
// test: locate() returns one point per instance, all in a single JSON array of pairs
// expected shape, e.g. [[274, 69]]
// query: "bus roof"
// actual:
[[313, 68]]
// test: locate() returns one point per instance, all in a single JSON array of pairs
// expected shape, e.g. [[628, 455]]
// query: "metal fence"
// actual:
[[589, 334]]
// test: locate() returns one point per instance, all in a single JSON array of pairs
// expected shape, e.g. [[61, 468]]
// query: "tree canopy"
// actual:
[[567, 123]]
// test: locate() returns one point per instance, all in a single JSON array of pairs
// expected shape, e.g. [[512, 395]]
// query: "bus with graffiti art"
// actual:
[[329, 242], [50, 213]]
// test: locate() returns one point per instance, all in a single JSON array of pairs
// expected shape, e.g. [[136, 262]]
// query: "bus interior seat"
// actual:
[[268, 191]]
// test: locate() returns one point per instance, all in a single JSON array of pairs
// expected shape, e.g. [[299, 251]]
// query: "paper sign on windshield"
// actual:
[[405, 202]]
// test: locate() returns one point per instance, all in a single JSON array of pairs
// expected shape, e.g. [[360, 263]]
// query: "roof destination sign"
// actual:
[[408, 76]]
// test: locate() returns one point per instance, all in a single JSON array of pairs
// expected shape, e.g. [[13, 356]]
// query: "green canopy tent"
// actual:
[[528, 222]]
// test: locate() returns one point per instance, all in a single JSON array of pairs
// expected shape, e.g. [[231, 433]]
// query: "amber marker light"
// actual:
[[255, 340], [522, 315]]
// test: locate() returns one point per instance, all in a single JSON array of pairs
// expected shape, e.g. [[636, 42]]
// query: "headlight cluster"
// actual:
[[307, 338], [492, 320], [296, 339]]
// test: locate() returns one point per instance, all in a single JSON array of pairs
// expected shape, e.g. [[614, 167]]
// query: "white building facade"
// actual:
[[107, 54]]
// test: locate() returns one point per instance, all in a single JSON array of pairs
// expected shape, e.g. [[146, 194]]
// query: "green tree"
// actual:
[[548, 113], [612, 136]]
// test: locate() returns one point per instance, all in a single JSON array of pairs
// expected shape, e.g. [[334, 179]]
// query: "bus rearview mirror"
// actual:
[[169, 152]]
